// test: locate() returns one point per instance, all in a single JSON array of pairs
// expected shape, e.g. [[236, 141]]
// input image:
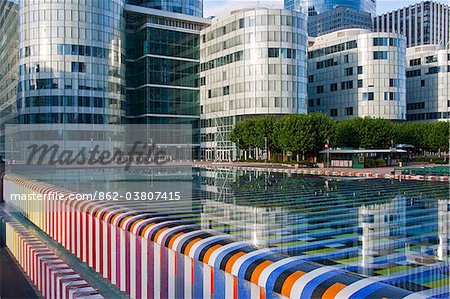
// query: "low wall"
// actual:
[[149, 256], [52, 276]]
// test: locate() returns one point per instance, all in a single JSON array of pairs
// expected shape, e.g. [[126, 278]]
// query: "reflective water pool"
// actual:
[[395, 231]]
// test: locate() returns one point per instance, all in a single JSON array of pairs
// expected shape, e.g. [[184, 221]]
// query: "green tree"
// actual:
[[323, 128], [438, 136], [294, 133]]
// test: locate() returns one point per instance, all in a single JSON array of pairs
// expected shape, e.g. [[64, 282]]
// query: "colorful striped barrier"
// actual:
[[52, 276], [154, 256]]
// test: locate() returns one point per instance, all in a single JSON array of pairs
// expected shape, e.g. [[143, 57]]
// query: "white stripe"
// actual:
[[157, 276], [171, 273], [199, 243], [215, 254], [354, 287], [299, 285], [187, 277], [132, 272], [237, 265], [144, 268], [206, 280], [269, 270]]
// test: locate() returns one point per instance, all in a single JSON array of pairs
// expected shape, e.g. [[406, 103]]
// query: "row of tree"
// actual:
[[306, 135]]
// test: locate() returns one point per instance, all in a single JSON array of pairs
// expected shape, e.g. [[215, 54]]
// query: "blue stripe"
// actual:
[[222, 254], [219, 284], [246, 264], [311, 286], [198, 279], [366, 291], [270, 284]]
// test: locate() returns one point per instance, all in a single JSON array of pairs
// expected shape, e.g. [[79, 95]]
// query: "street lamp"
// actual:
[[265, 150]]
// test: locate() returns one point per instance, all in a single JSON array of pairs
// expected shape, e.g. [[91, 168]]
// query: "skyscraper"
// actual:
[[253, 62], [315, 7], [423, 23], [188, 7]]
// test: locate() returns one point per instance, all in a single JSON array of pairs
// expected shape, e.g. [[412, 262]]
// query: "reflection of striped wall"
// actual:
[[150, 256], [51, 275]]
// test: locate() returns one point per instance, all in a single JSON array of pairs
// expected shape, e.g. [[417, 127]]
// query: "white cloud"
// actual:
[[218, 7]]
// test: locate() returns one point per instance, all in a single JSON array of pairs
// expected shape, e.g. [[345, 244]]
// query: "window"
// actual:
[[368, 96], [414, 62], [209, 93], [380, 41], [346, 59], [368, 219], [360, 69], [430, 59], [349, 111], [78, 67], [311, 103], [310, 78], [333, 87], [413, 73], [393, 82], [360, 83], [319, 89], [347, 85], [422, 83], [380, 55], [349, 71], [226, 90], [333, 112], [318, 102], [274, 52], [390, 96], [203, 81]]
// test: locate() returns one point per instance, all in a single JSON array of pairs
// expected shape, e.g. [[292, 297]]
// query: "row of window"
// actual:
[[427, 116], [271, 85], [386, 41], [78, 50], [334, 111], [428, 59], [388, 96], [415, 106], [96, 85], [349, 85], [333, 49], [69, 101], [68, 118], [431, 70], [252, 21]]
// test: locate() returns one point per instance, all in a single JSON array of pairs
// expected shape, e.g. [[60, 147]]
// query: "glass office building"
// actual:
[[71, 62], [188, 7], [315, 7], [253, 62], [424, 23], [9, 45], [163, 60]]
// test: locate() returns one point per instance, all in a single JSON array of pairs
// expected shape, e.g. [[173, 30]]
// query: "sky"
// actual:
[[217, 7]]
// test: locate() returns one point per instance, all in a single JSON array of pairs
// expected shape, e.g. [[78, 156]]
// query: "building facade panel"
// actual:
[[253, 62], [423, 23], [315, 7], [188, 7], [71, 62], [356, 73], [427, 83]]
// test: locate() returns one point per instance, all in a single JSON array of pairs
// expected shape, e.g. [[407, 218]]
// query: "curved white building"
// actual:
[[357, 73], [72, 67], [427, 83], [253, 62]]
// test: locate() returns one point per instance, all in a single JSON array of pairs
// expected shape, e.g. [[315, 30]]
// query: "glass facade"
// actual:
[[71, 62], [163, 71], [356, 73], [9, 44], [315, 7], [188, 7], [253, 62]]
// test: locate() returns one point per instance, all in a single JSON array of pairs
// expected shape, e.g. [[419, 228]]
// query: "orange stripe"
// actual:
[[289, 283], [159, 233], [115, 216], [146, 228], [232, 260], [262, 293], [258, 270], [123, 221], [209, 252], [134, 224], [332, 291], [174, 238], [235, 287], [188, 248], [212, 280]]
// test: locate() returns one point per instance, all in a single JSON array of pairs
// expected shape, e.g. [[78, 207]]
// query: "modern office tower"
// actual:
[[357, 73], [253, 62], [427, 83], [383, 231], [9, 70], [72, 66], [315, 7], [163, 61], [188, 7], [423, 23], [337, 19]]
